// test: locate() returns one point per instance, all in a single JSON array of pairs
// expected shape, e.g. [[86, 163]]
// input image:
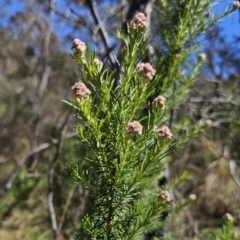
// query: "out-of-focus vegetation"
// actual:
[[37, 72]]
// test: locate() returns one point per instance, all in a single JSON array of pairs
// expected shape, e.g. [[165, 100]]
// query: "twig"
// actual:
[[148, 11], [63, 16], [43, 83], [102, 29], [65, 208], [123, 12], [232, 168], [21, 162], [189, 218], [98, 22], [51, 210], [81, 19], [51, 175]]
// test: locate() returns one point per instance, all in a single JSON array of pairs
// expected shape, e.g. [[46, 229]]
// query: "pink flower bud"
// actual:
[[139, 22], [236, 4], [163, 133], [202, 56], [208, 122], [78, 45], [160, 102], [80, 89], [228, 217], [134, 128], [164, 196], [193, 197], [146, 71]]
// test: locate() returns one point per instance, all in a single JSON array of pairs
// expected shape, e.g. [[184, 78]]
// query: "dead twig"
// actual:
[[192, 231], [42, 85], [51, 175], [65, 208], [21, 162], [102, 30]]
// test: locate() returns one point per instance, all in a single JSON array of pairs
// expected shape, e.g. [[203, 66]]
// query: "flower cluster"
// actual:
[[159, 101], [202, 56], [80, 89], [236, 4], [164, 132], [192, 197], [228, 217], [208, 122], [146, 70], [78, 45], [164, 196], [139, 22], [134, 128]]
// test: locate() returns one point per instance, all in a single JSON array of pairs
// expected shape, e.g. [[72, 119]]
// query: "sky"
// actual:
[[230, 24]]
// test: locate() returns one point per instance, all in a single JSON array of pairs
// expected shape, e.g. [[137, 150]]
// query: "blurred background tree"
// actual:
[[36, 131]]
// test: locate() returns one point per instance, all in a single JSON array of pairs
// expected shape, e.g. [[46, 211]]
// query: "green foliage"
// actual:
[[182, 24], [121, 166], [107, 160], [226, 233]]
